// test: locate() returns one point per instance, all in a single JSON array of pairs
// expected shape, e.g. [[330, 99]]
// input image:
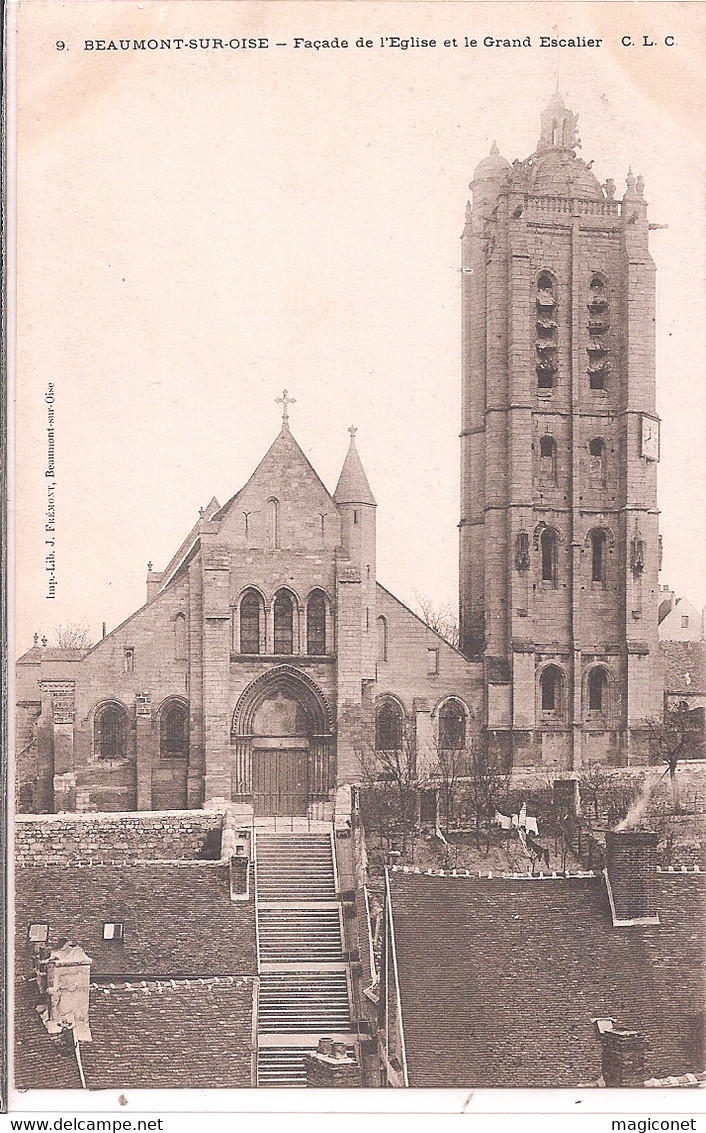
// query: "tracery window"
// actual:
[[284, 623], [250, 622], [174, 732], [452, 726], [316, 624], [388, 728], [110, 732]]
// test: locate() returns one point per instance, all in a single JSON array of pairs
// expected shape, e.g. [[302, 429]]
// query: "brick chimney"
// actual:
[[631, 873], [331, 1067], [622, 1056], [64, 980]]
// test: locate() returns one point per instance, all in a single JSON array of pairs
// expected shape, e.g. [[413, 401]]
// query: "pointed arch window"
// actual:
[[597, 461], [597, 690], [598, 557], [549, 554], [388, 728], [547, 459], [551, 688], [382, 638], [273, 522], [316, 624], [174, 732], [180, 637], [110, 732], [250, 622], [452, 726], [284, 623]]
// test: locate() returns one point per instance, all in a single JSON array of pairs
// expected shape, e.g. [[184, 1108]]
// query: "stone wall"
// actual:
[[158, 836]]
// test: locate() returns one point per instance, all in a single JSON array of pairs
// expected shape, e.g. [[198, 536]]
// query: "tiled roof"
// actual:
[[680, 658], [174, 1035], [179, 919], [500, 978], [48, 653]]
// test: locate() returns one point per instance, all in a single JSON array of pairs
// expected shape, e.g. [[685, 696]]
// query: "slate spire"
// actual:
[[353, 486]]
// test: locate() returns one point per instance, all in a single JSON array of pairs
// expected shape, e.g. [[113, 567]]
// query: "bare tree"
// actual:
[[448, 767], [668, 740], [441, 618], [486, 788], [74, 635], [391, 791]]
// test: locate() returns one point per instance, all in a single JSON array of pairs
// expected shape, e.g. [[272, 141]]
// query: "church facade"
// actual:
[[265, 668], [268, 662]]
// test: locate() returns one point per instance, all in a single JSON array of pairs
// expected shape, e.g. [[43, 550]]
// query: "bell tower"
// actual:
[[559, 544]]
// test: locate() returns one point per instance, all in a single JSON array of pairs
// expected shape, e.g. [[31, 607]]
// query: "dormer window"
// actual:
[[113, 930]]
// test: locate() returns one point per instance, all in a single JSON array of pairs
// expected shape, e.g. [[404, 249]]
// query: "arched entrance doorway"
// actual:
[[283, 742]]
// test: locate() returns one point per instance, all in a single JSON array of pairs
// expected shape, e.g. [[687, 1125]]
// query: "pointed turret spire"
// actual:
[[353, 486]]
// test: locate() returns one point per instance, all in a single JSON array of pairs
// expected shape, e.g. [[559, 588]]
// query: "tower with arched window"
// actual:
[[559, 455]]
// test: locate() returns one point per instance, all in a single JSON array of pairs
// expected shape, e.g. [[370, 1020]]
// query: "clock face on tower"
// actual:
[[649, 447]]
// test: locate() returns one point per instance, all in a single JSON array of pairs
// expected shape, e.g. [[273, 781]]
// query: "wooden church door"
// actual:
[[280, 781]]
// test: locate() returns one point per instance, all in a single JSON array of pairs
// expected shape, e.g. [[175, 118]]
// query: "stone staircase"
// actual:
[[304, 981]]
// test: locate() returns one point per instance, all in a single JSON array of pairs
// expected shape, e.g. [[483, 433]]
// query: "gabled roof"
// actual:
[[283, 450], [150, 1035], [178, 558], [353, 486], [179, 919], [500, 978]]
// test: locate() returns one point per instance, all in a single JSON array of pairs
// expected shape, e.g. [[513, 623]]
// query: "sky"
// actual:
[[199, 229]]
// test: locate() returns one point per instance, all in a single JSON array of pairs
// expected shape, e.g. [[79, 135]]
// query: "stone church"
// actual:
[[268, 659]]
